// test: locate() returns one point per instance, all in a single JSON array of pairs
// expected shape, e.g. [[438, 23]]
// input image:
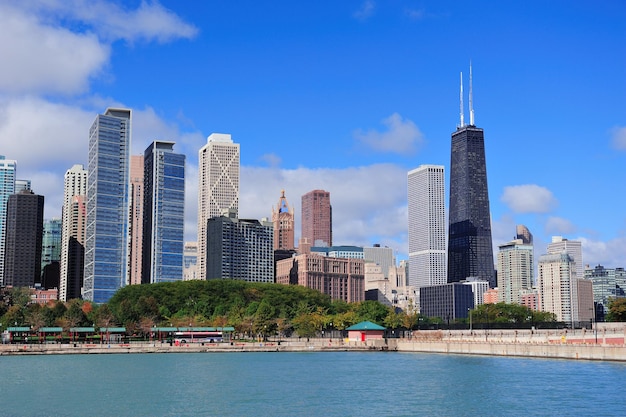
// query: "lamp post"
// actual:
[[470, 318]]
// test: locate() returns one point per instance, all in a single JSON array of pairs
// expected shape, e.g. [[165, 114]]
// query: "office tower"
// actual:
[[571, 247], [317, 218], [136, 217], [73, 232], [108, 206], [447, 301], [479, 288], [524, 234], [51, 253], [190, 261], [7, 188], [470, 253], [382, 256], [515, 270], [427, 226], [240, 249], [22, 185], [340, 278], [24, 226], [218, 187], [558, 292], [283, 219], [607, 283], [164, 213]]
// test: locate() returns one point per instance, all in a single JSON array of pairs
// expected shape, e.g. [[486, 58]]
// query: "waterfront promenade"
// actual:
[[603, 344]]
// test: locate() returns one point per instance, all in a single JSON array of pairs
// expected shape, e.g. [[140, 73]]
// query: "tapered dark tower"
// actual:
[[470, 252]]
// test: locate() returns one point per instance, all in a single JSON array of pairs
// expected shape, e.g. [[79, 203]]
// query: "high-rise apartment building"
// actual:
[[572, 248], [515, 270], [136, 218], [524, 234], [470, 251], [190, 261], [164, 213], [22, 185], [283, 219], [24, 225], [558, 292], [317, 218], [73, 215], [218, 187], [240, 249], [7, 188], [108, 206], [427, 226]]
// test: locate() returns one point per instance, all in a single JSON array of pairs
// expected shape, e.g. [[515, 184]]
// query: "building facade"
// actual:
[[608, 283], [340, 278], [572, 248], [164, 213], [73, 215], [515, 270], [447, 301], [283, 220], [382, 256], [240, 249], [24, 229], [427, 226], [8, 168], [218, 187], [190, 261], [108, 206], [136, 218], [558, 292], [51, 252], [317, 218]]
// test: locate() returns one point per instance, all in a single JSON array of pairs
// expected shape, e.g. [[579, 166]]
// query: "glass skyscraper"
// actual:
[[470, 252], [108, 189], [7, 187], [164, 213]]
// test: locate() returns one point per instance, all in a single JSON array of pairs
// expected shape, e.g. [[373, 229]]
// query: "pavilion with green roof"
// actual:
[[365, 330]]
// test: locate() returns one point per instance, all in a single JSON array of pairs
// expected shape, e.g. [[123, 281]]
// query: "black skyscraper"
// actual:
[[470, 253]]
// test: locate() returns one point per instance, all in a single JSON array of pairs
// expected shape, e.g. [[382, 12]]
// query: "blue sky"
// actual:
[[346, 96]]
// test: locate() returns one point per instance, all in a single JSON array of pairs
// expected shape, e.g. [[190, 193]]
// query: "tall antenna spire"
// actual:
[[471, 107], [461, 99]]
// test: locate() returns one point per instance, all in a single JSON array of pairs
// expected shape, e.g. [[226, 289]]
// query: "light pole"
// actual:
[[470, 317]]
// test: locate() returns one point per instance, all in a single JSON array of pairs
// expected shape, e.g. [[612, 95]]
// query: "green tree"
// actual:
[[617, 309], [393, 320]]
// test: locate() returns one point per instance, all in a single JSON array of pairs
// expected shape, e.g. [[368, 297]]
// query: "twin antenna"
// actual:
[[471, 107]]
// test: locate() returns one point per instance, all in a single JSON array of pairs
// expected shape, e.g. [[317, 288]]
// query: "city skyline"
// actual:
[[350, 108]]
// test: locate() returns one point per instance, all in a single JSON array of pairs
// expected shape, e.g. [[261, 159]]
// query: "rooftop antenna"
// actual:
[[471, 107], [461, 99]]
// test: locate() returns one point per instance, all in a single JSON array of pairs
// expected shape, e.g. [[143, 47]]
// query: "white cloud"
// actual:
[[559, 226], [365, 11], [610, 254], [401, 136], [618, 138], [529, 198]]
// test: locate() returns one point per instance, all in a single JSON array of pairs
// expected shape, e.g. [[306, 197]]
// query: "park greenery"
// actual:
[[252, 309]]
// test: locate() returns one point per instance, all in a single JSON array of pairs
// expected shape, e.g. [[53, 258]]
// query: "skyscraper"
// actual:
[[24, 223], [515, 270], [470, 251], [317, 218], [572, 248], [558, 291], [283, 219], [427, 226], [7, 187], [73, 232], [51, 252], [164, 213], [108, 206], [136, 217], [218, 187]]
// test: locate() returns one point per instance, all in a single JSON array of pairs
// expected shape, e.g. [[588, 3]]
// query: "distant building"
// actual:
[[74, 216], [447, 301], [136, 217], [572, 248], [44, 296], [530, 299], [382, 256], [22, 185], [218, 187], [479, 288], [283, 220], [340, 278], [515, 270], [491, 296], [190, 261], [51, 242], [353, 252], [377, 286], [558, 292], [240, 249], [7, 188], [108, 206], [24, 228], [427, 226], [164, 214], [523, 234], [607, 283], [317, 218]]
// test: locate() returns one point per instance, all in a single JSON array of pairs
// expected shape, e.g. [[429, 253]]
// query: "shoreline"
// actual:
[[553, 344]]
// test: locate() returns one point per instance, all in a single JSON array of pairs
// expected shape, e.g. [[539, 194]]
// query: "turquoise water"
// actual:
[[308, 384]]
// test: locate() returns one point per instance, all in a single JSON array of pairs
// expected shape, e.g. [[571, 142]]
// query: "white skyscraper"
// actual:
[[7, 187], [75, 184], [572, 248], [427, 226], [515, 270], [218, 186], [558, 289]]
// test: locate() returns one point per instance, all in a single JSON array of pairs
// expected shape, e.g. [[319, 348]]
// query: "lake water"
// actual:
[[329, 384]]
